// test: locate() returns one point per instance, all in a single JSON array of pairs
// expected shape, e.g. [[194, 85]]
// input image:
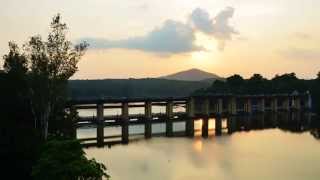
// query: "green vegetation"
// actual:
[[286, 83], [65, 160], [32, 107], [133, 88]]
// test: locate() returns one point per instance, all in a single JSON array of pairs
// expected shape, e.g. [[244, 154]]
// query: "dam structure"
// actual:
[[216, 106]]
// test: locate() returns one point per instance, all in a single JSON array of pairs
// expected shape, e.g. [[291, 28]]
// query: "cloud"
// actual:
[[301, 54], [200, 19], [175, 37], [217, 26], [172, 37]]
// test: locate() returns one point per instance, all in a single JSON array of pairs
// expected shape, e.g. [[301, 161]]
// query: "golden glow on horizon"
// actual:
[[200, 55], [205, 41]]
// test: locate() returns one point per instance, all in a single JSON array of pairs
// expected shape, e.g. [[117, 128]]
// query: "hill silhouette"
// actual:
[[192, 75]]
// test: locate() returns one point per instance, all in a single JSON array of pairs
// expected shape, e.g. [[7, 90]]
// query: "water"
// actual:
[[270, 149]]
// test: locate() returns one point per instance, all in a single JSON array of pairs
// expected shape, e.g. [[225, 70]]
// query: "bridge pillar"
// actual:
[[205, 126], [190, 116], [309, 101], [218, 125], [261, 105], [205, 120], [286, 104], [219, 107], [274, 120], [274, 104], [248, 106], [287, 117], [206, 107], [125, 123], [231, 124], [293, 116], [100, 135], [297, 102], [232, 106], [169, 116], [100, 113], [100, 124], [308, 117], [148, 118]]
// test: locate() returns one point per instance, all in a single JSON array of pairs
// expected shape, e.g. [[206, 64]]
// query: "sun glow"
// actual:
[[209, 54]]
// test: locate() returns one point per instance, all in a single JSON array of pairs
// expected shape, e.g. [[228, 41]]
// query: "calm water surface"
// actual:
[[263, 154]]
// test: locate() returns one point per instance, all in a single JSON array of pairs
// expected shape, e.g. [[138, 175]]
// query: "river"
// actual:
[[286, 149]]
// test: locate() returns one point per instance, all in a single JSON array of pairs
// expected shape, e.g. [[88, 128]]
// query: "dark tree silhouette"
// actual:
[[66, 160], [52, 63], [34, 94], [19, 140], [14, 62]]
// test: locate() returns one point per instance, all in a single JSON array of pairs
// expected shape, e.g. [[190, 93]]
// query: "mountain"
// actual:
[[179, 84], [192, 75]]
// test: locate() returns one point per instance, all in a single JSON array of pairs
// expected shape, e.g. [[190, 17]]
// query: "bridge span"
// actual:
[[215, 106]]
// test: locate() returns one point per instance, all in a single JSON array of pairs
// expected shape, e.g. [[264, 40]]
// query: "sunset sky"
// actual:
[[151, 38]]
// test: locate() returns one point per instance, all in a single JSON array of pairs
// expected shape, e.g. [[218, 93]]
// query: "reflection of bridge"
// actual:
[[204, 107]]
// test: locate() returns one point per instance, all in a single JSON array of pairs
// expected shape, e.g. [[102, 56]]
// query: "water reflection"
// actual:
[[270, 146], [197, 145], [295, 122]]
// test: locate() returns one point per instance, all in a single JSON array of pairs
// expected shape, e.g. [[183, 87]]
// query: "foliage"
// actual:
[[286, 83], [257, 84], [44, 68], [52, 63], [14, 62], [65, 160], [19, 138]]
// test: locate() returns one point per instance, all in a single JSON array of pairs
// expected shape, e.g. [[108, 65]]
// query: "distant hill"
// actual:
[[179, 84], [192, 75], [149, 87]]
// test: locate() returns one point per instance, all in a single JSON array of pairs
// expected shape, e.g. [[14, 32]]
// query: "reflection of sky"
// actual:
[[268, 154], [132, 110]]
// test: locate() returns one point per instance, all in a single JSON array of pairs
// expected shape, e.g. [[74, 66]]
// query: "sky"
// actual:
[[151, 38]]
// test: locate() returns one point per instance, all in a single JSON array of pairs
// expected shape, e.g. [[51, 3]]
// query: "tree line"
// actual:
[[257, 85], [117, 88]]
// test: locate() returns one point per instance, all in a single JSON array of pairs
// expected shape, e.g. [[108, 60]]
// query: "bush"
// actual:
[[65, 160]]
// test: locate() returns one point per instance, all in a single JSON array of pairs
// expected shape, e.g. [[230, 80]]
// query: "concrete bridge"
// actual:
[[196, 107]]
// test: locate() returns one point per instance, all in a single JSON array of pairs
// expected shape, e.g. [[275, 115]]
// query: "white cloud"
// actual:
[[217, 26], [174, 37]]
